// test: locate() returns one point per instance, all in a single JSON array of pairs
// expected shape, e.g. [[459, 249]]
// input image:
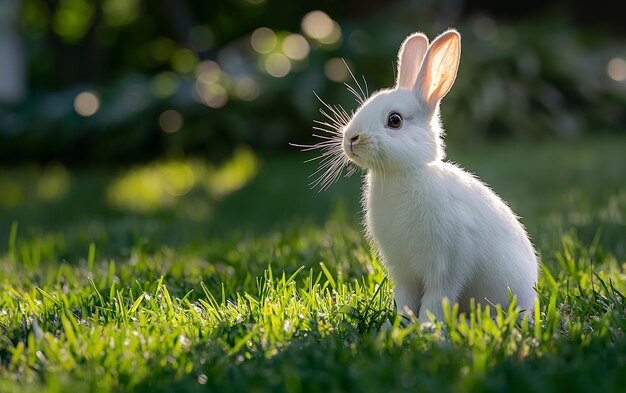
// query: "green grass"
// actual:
[[267, 286]]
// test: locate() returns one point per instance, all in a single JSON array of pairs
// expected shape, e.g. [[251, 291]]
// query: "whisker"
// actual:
[[323, 171], [323, 180], [363, 95], [321, 110], [329, 142], [333, 173], [327, 124], [367, 91], [325, 136], [335, 122], [352, 170], [337, 118], [320, 145], [322, 157], [330, 168], [323, 102], [315, 147], [337, 114], [326, 161], [333, 134], [351, 89], [332, 151], [345, 113], [341, 115], [333, 129], [332, 161]]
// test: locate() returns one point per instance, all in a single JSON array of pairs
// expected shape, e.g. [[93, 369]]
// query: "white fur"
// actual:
[[440, 230]]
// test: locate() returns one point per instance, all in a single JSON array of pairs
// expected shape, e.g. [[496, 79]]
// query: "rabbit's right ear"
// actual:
[[410, 58], [439, 68]]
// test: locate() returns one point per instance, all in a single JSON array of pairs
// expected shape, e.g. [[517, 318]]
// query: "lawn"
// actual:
[[184, 275]]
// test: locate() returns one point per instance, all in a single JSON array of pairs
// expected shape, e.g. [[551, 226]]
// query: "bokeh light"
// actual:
[[170, 121], [165, 84], [334, 37], [54, 182], [210, 84], [296, 47], [86, 103], [154, 186], [150, 187], [336, 70], [212, 95], [319, 26], [184, 60], [208, 72], [263, 40], [234, 174], [179, 178], [616, 69], [72, 19], [120, 12], [247, 89], [277, 65]]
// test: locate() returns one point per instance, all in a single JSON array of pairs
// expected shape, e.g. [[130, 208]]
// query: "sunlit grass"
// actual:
[[108, 326]]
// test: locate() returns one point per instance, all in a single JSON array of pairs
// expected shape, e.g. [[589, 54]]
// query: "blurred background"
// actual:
[[170, 119]]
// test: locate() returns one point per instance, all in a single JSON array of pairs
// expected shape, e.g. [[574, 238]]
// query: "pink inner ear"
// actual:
[[443, 63], [410, 59]]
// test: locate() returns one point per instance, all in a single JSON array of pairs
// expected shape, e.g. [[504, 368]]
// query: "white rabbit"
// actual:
[[441, 232]]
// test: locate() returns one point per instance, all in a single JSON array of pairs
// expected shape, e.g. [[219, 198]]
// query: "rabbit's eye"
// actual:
[[394, 120]]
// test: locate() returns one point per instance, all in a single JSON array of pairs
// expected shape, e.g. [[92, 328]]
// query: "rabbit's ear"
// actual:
[[439, 68], [410, 58]]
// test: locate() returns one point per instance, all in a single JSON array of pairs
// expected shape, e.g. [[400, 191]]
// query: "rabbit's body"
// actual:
[[458, 239], [441, 231]]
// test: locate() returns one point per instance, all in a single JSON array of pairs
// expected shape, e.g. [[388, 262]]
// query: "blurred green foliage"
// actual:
[[244, 71]]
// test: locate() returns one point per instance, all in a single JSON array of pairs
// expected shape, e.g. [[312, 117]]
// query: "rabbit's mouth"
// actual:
[[359, 148], [357, 156], [349, 150], [352, 155]]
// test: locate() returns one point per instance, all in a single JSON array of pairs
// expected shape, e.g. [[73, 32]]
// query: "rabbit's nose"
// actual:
[[355, 138]]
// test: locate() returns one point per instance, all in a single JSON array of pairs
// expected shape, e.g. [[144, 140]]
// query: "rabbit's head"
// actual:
[[399, 128]]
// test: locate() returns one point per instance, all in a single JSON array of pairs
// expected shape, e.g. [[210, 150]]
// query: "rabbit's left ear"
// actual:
[[439, 68], [410, 58]]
